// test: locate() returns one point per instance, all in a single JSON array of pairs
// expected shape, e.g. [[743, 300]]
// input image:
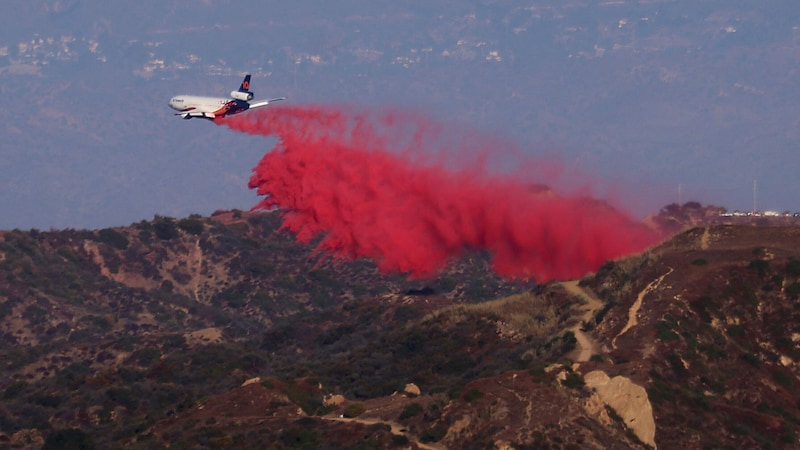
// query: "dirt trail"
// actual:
[[586, 346], [195, 263], [396, 429], [521, 399], [638, 304], [705, 239]]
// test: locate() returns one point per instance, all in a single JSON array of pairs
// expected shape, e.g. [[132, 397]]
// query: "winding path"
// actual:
[[586, 346], [638, 304]]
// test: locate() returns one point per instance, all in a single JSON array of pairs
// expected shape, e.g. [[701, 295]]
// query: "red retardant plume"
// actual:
[[352, 179]]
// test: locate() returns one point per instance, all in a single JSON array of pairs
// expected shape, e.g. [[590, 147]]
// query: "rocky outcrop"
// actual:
[[629, 401]]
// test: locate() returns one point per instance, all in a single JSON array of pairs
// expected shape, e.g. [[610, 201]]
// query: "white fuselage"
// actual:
[[210, 105]]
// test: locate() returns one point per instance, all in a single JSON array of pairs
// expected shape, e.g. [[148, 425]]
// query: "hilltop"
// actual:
[[223, 332]]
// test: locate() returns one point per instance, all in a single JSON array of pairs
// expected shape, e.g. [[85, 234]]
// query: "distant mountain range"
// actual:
[[651, 98]]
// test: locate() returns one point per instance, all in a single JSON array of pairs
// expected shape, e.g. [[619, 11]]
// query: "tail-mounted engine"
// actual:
[[242, 95]]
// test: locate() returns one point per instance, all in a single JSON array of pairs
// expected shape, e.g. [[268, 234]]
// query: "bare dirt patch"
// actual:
[[204, 337]]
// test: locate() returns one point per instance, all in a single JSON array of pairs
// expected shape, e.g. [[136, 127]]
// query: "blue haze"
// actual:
[[645, 96]]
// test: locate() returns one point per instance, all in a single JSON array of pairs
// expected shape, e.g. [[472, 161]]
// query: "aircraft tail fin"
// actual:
[[245, 87]]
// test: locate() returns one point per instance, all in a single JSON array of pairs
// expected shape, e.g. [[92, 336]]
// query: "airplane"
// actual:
[[214, 107]]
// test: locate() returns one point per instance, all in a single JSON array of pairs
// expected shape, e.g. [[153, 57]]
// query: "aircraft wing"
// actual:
[[266, 102], [190, 114]]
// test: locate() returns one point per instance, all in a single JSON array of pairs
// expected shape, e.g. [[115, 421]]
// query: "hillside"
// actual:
[[223, 332], [113, 306]]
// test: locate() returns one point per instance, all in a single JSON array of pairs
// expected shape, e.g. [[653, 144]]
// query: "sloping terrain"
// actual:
[[100, 326], [222, 332], [713, 336]]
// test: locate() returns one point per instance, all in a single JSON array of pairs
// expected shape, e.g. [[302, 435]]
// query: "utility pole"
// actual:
[[755, 196]]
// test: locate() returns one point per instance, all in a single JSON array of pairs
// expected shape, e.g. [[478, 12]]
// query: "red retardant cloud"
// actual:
[[352, 179]]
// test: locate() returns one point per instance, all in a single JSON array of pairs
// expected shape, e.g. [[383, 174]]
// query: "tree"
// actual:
[[69, 439]]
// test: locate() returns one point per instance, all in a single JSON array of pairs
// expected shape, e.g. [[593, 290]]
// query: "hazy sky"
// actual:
[[643, 103]]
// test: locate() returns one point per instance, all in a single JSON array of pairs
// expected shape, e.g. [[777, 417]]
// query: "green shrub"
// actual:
[[793, 267], [574, 380], [602, 313], [569, 342], [148, 356], [123, 396], [404, 313], [400, 440], [472, 395], [73, 376], [702, 306], [165, 228], [309, 402], [68, 254], [69, 439], [735, 331], [354, 410], [81, 335], [113, 238], [411, 411], [434, 434], [102, 323], [659, 390], [48, 400], [192, 225], [263, 300], [664, 332], [301, 437], [14, 389], [760, 266], [793, 291], [447, 283], [713, 351], [7, 307], [783, 378], [751, 359], [34, 314]]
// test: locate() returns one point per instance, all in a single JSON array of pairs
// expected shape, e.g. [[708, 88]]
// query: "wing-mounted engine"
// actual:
[[242, 95]]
